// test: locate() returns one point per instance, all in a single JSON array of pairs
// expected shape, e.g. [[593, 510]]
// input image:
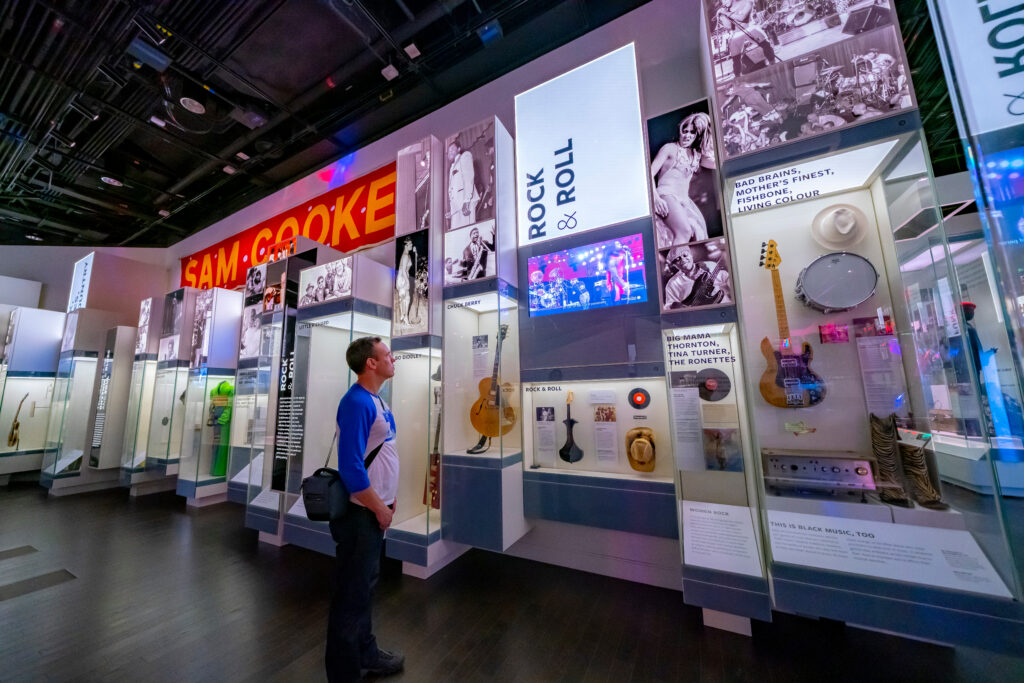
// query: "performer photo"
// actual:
[[251, 332], [619, 264], [403, 283], [539, 295], [749, 46], [677, 217], [690, 283], [475, 255], [463, 196]]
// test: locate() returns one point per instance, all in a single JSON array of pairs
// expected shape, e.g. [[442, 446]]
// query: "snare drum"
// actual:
[[836, 282]]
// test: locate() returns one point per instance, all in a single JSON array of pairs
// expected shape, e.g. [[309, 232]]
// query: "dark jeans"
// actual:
[[351, 644]]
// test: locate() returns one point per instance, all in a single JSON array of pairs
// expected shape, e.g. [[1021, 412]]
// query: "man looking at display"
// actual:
[[365, 425]]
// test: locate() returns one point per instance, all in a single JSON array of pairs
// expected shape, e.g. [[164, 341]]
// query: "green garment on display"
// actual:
[[220, 418]]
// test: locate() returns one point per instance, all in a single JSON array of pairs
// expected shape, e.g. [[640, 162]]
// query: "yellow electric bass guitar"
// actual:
[[788, 381]]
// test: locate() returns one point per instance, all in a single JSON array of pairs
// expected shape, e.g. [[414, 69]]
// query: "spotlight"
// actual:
[[412, 50], [34, 238], [490, 32], [111, 181], [164, 213], [389, 72], [62, 139], [83, 110]]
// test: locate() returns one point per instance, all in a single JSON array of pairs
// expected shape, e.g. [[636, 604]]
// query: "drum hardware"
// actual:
[[839, 281]]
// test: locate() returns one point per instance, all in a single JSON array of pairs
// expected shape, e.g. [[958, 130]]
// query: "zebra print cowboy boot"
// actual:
[[916, 469], [883, 444]]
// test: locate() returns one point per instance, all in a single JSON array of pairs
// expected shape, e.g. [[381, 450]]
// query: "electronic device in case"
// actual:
[[817, 470]]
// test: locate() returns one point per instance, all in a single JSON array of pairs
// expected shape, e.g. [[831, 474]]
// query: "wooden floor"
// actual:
[[161, 594]]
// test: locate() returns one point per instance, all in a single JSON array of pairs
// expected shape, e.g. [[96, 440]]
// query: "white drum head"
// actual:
[[837, 282]]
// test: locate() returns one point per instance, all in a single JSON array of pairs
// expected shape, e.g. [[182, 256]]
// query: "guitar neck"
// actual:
[[780, 306], [493, 399]]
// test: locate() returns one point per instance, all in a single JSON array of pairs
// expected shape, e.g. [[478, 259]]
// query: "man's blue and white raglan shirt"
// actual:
[[364, 421]]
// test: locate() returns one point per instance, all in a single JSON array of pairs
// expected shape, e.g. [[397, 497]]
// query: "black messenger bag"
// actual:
[[324, 494]]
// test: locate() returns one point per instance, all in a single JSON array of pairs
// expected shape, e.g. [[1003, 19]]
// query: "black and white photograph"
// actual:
[[326, 282], [168, 348], [469, 254], [201, 324], [173, 312], [255, 281], [750, 35], [469, 176], [830, 88], [249, 346], [479, 342], [412, 189], [412, 284], [684, 176], [695, 275], [545, 414], [142, 338]]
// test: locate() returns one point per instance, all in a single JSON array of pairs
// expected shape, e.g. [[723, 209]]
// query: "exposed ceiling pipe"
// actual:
[[405, 9], [363, 60], [37, 221]]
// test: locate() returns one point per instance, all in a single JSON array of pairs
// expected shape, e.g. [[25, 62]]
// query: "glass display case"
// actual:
[[416, 404], [139, 411], [251, 407], [304, 436], [71, 427], [110, 404], [209, 397], [707, 404], [163, 447], [69, 412], [867, 396], [137, 418], [206, 437], [482, 469], [27, 374]]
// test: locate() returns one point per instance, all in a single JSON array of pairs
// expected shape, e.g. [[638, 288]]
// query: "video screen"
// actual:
[[599, 275]]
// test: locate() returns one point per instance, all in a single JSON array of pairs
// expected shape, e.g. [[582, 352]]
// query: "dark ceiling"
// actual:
[[193, 109]]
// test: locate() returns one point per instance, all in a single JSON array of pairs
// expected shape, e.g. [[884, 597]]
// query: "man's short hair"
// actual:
[[359, 352]]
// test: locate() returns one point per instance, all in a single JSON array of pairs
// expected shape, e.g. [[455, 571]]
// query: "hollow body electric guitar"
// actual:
[[788, 381], [570, 452], [489, 415]]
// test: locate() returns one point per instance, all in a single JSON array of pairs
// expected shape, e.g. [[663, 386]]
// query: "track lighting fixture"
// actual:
[[87, 113], [62, 139]]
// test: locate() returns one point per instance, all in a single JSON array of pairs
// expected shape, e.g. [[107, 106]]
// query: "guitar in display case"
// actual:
[[788, 380], [489, 416], [432, 486], [570, 452]]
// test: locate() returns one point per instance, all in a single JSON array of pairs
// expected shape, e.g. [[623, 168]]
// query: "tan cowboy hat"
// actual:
[[839, 226]]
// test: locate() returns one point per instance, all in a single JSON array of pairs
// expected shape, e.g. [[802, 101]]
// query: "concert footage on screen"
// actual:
[[608, 273]]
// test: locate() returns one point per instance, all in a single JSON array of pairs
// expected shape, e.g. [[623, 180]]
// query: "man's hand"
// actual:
[[384, 516]]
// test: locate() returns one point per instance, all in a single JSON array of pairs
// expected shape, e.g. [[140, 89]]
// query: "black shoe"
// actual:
[[388, 664]]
